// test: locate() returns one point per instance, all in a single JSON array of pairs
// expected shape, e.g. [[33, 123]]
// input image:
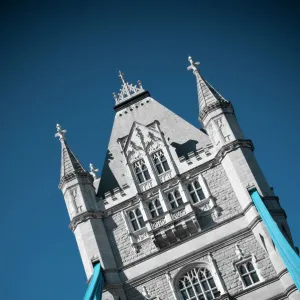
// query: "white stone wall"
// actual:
[[223, 193], [120, 242], [158, 286]]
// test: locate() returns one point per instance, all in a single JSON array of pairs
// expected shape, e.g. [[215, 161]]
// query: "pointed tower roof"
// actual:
[[70, 165], [208, 97]]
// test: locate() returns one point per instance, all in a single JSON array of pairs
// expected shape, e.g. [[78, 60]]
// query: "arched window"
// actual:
[[175, 199], [155, 208], [141, 171], [198, 284], [248, 273], [136, 219], [160, 162], [196, 191]]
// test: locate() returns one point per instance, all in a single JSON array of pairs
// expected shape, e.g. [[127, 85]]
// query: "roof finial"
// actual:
[[60, 133], [127, 90], [121, 75], [93, 171], [125, 86], [193, 65]]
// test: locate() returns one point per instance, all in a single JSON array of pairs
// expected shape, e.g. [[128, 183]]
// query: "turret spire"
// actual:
[[208, 97], [70, 165]]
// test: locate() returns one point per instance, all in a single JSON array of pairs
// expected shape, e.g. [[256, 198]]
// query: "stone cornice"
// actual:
[[71, 176], [132, 100], [231, 147], [220, 104], [84, 217]]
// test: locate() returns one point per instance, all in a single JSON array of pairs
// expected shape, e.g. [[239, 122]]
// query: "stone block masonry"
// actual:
[[225, 257]]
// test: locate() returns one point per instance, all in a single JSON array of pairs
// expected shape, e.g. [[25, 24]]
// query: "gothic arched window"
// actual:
[[196, 191], [175, 199], [141, 171], [198, 284], [160, 162], [155, 208], [136, 219]]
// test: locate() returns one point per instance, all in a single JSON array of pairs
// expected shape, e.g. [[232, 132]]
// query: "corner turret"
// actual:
[[86, 214]]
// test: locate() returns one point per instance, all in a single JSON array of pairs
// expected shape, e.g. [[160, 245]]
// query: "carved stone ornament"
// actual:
[[127, 90], [179, 214], [158, 223], [146, 185], [142, 237], [134, 155], [165, 176], [239, 252], [93, 171], [84, 217], [231, 147]]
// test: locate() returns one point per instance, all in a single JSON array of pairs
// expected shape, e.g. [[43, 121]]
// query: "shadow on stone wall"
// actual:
[[108, 181], [110, 226], [185, 148]]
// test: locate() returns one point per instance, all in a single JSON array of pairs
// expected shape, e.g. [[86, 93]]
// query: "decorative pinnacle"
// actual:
[[193, 65], [93, 171], [238, 251], [127, 90], [121, 75], [60, 133]]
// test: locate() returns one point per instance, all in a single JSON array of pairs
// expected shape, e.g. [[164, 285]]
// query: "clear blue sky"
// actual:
[[59, 63]]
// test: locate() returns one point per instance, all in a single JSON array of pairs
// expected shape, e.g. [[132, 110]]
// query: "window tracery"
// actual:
[[198, 284], [141, 171], [160, 162], [175, 199], [155, 208]]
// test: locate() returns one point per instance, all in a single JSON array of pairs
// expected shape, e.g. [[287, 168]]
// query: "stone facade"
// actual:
[[172, 209]]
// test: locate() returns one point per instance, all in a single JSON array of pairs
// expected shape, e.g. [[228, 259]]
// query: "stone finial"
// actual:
[[238, 251], [93, 171], [193, 65], [60, 133], [127, 90]]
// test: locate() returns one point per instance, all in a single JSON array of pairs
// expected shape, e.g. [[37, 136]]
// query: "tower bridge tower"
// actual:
[[173, 216]]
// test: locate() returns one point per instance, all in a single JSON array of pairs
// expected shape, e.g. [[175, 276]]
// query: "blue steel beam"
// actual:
[[95, 288], [287, 253]]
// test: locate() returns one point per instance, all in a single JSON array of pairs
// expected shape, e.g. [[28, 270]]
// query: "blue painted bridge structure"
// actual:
[[287, 253], [95, 288]]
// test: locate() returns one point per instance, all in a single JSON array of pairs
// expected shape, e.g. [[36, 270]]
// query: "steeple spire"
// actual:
[[208, 97], [70, 165]]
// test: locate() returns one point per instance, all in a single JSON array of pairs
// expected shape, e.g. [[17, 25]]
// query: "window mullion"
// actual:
[[200, 286], [191, 281]]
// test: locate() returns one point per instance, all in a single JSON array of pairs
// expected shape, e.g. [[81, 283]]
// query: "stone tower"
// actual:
[[171, 216]]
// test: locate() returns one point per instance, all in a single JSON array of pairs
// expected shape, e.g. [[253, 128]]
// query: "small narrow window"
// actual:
[[160, 162], [141, 171], [248, 273], [155, 208], [175, 199], [196, 191], [136, 219]]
